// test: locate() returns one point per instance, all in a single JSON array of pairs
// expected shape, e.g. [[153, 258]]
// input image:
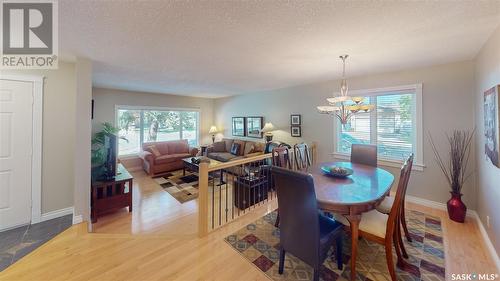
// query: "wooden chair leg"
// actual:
[[282, 261], [339, 243], [403, 222], [388, 256], [277, 222], [400, 240]]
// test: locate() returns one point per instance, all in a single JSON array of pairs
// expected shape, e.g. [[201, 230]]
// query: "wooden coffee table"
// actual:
[[193, 167]]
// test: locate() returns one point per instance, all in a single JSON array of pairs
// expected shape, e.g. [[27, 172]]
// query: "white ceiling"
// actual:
[[221, 48]]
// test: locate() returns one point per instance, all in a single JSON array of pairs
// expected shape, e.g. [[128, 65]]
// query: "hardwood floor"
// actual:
[[158, 242]]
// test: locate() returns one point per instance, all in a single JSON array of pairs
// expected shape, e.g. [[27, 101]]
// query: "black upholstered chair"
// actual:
[[365, 154], [304, 232]]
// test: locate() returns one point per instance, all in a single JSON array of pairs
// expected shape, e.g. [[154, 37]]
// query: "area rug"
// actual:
[[258, 242], [182, 187]]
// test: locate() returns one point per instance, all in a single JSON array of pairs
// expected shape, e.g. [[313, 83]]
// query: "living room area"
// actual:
[[250, 140]]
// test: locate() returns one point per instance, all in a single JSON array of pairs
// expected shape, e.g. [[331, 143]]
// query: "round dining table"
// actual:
[[351, 196]]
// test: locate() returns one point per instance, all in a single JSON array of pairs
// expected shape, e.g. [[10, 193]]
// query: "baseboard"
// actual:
[[486, 238], [77, 219], [56, 214], [470, 213]]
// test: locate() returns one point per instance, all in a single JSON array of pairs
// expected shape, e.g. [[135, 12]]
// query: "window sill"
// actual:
[[387, 163]]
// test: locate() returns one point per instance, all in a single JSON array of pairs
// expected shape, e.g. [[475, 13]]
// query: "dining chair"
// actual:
[[386, 206], [383, 229], [365, 154], [280, 158], [301, 156], [304, 232]]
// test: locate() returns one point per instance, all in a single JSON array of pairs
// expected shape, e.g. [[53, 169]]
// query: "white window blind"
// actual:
[[393, 125]]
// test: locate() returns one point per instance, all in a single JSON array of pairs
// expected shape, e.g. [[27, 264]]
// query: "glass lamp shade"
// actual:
[[338, 99], [367, 107], [357, 99], [325, 109], [353, 107], [268, 127], [212, 130]]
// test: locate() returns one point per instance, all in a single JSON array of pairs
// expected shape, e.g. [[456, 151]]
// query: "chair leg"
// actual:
[[400, 240], [282, 261], [277, 222], [316, 275], [403, 223], [338, 251], [400, 262], [388, 256]]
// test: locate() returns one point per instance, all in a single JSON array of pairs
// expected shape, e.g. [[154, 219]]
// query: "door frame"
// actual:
[[36, 158]]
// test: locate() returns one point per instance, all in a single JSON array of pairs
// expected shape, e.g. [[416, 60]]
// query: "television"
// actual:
[[108, 169]]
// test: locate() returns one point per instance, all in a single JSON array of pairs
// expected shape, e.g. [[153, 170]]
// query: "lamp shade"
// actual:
[[268, 127], [212, 130]]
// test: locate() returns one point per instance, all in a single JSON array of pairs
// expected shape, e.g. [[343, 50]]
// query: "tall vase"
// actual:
[[456, 208]]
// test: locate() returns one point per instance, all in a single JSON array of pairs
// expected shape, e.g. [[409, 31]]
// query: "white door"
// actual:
[[16, 129]]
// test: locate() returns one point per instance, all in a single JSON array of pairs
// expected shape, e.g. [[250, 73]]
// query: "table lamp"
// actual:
[[268, 127], [213, 131]]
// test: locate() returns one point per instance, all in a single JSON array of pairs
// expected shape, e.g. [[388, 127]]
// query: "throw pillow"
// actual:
[[235, 148], [242, 146], [219, 146], [154, 150], [248, 148]]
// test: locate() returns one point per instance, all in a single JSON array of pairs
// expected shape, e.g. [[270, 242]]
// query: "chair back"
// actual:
[[298, 211], [400, 193], [281, 157], [365, 154], [301, 156]]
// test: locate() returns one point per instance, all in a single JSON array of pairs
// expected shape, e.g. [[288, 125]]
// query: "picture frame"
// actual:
[[492, 125], [295, 119], [238, 126], [296, 131], [254, 125]]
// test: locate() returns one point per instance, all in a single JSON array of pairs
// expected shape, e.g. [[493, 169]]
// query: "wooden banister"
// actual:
[[203, 200]]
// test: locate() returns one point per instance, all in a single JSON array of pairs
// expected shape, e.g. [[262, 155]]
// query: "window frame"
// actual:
[[418, 135], [153, 108]]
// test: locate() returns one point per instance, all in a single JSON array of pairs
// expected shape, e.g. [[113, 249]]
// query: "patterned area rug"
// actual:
[[258, 242], [182, 188]]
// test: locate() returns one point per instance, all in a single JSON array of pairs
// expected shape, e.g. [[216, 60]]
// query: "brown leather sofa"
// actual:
[[221, 150], [166, 156]]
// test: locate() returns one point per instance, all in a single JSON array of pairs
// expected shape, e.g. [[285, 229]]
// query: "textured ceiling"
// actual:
[[220, 48]]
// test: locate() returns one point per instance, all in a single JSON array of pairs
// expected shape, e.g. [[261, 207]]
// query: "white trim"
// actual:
[[486, 238], [425, 202], [78, 219], [36, 159], [419, 134], [57, 214], [382, 162]]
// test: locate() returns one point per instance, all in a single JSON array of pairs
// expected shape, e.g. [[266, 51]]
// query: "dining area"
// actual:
[[324, 206]]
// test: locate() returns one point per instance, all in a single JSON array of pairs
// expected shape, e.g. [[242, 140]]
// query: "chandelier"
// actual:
[[342, 105]]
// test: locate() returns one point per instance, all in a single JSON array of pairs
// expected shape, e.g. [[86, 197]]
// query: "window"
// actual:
[[152, 125], [394, 125]]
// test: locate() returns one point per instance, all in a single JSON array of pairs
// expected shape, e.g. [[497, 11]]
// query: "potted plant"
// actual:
[[455, 169], [97, 153]]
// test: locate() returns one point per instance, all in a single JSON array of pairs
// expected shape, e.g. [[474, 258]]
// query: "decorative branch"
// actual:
[[455, 168]]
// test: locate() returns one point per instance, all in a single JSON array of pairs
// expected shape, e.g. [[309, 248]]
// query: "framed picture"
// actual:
[[296, 131], [295, 119], [254, 125], [492, 125], [238, 126]]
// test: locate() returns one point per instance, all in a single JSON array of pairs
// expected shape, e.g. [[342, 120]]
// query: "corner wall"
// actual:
[[487, 75]]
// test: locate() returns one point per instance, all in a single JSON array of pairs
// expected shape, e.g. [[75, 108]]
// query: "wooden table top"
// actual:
[[366, 186]]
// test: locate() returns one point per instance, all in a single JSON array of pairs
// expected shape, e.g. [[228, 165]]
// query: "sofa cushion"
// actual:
[[229, 143], [219, 146], [154, 150], [249, 147], [242, 145], [235, 149], [259, 147], [164, 159], [176, 147], [221, 156]]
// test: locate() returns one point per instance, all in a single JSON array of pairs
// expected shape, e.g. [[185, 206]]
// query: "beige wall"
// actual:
[[487, 74], [447, 104], [105, 101], [58, 135]]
